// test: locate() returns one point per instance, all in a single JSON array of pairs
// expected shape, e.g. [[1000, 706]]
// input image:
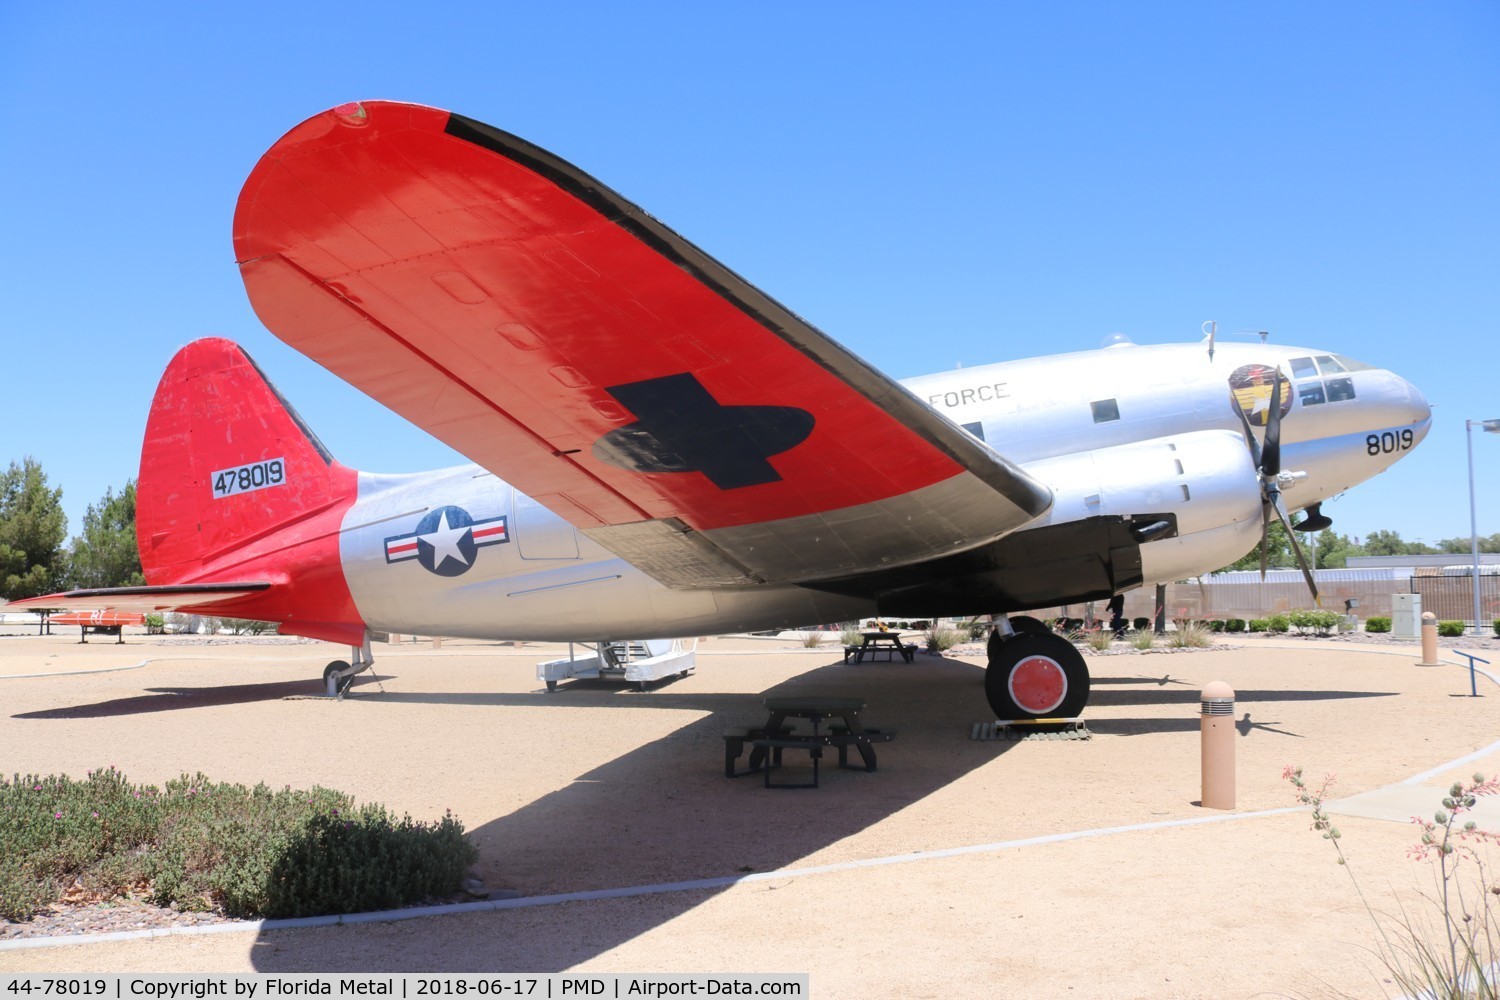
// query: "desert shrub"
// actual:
[[812, 639], [1450, 629], [1258, 625], [241, 626], [1213, 624], [1143, 638], [1455, 954], [1098, 639], [1496, 625], [851, 635], [1279, 622], [155, 624], [939, 639], [201, 845], [1234, 624], [1190, 634], [978, 629], [1378, 623]]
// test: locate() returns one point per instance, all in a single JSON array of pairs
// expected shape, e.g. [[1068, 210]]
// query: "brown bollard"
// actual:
[[1217, 721], [1429, 641]]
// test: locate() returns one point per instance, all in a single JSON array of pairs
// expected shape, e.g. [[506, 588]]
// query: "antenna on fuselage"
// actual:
[[1210, 330]]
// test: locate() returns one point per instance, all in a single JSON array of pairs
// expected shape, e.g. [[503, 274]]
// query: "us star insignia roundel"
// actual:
[[446, 541]]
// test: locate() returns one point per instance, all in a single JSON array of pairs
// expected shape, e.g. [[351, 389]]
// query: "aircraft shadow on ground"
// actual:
[[175, 699], [664, 812]]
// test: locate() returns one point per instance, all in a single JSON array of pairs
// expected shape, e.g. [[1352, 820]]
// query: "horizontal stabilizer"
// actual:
[[169, 598]]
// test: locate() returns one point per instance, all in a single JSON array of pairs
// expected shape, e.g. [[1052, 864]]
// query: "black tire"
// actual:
[[1026, 623], [1020, 625], [332, 685], [1053, 684]]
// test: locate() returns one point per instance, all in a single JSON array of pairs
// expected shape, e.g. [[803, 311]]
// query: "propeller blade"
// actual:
[[1291, 535], [1271, 453], [1265, 537]]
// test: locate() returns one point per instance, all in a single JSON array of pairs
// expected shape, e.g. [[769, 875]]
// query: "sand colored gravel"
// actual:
[[596, 787]]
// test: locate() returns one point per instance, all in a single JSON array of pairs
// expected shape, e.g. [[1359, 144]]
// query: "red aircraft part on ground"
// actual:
[[108, 619]]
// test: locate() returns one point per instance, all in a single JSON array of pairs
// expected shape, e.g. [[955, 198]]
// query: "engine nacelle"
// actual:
[[1205, 480]]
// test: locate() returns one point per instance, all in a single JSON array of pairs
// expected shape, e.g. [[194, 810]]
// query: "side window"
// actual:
[[1311, 393], [1303, 368], [976, 429], [1340, 389], [1105, 410]]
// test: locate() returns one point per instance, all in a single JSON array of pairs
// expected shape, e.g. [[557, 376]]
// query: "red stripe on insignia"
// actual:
[[403, 547]]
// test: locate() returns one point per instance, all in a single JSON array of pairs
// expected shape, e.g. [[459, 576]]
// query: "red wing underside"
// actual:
[[560, 337]]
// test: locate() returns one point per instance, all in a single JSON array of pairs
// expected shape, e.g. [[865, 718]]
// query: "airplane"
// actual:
[[663, 450]]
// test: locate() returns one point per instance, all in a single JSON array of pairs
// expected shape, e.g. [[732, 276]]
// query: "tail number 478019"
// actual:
[[246, 478]]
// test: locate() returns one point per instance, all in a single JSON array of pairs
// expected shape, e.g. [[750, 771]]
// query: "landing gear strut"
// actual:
[[338, 676], [1034, 675]]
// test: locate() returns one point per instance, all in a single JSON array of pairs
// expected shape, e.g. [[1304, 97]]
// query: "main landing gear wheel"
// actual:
[[1035, 676]]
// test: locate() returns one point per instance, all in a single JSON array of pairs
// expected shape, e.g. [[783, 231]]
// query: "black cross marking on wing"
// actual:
[[680, 427]]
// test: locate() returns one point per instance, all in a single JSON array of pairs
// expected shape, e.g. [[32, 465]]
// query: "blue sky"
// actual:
[[951, 183]]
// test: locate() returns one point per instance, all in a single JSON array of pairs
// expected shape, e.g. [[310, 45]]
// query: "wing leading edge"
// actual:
[[552, 331]]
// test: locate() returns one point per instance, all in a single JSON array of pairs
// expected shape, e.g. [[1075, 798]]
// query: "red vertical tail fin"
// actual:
[[233, 485]]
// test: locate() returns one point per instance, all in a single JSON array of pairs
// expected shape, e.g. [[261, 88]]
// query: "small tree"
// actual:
[[32, 528], [105, 554]]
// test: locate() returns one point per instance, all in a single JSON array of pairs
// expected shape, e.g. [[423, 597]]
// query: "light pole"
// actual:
[[1492, 427]]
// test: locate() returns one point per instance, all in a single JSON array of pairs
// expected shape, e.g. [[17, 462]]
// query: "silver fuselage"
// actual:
[[1121, 431]]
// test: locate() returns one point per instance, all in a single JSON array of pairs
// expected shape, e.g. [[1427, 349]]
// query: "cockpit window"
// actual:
[[1303, 368], [1313, 388]]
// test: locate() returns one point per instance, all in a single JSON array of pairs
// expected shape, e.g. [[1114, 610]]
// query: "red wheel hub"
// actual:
[[1038, 684]]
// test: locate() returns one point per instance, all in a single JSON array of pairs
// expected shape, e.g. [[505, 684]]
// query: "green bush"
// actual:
[[1279, 622], [1234, 624], [1213, 624], [1142, 624], [1257, 625], [1378, 623], [1313, 622], [198, 845], [1450, 629], [155, 624], [1496, 624], [940, 639]]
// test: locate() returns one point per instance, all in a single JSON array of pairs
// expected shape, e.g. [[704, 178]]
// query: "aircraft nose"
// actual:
[[1421, 410]]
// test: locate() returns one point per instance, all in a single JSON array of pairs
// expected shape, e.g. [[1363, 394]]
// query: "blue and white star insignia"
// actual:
[[446, 541]]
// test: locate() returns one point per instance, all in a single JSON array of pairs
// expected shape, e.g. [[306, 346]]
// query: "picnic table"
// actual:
[[835, 723], [880, 642]]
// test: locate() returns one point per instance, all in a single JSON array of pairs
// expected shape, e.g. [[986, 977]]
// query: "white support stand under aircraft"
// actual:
[[664, 450]]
